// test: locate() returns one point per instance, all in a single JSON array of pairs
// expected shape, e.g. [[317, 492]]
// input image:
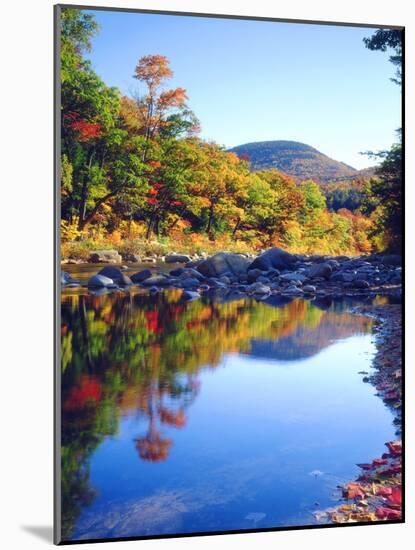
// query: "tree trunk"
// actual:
[[235, 229], [210, 222], [87, 218]]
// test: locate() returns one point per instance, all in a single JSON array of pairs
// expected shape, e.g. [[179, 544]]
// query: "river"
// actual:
[[210, 415]]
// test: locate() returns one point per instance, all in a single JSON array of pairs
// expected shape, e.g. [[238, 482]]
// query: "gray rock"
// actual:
[[66, 279], [360, 283], [337, 277], [309, 289], [149, 260], [293, 277], [323, 270], [190, 283], [105, 257], [263, 279], [221, 263], [116, 275], [176, 259], [141, 276], [334, 264], [177, 272], [131, 257], [274, 258], [292, 289], [259, 288], [157, 280], [190, 272], [190, 295], [253, 275], [391, 259], [100, 281], [349, 277]]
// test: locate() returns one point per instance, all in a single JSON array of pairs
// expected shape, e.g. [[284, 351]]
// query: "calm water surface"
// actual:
[[210, 415]]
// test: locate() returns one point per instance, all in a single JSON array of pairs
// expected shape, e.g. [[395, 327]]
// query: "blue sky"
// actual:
[[254, 80]]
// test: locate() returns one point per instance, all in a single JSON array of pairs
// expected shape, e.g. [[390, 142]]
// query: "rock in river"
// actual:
[[190, 295], [176, 259], [66, 279], [259, 288], [116, 275], [100, 281], [309, 289], [273, 258], [224, 263], [156, 280], [323, 270], [105, 257], [141, 276], [131, 257]]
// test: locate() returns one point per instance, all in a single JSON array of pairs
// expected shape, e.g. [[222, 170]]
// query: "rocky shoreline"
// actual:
[[376, 495], [274, 272]]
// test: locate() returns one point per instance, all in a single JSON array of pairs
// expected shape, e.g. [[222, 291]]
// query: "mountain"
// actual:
[[296, 159]]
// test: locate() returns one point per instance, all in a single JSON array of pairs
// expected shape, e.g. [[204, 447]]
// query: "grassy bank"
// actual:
[[192, 245]]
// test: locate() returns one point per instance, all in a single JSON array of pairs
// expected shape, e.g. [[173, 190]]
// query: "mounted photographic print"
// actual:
[[229, 217]]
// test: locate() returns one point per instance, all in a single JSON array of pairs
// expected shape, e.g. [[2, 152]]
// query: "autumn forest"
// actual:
[[136, 176]]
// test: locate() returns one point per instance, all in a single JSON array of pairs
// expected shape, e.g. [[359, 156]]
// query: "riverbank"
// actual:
[[376, 495]]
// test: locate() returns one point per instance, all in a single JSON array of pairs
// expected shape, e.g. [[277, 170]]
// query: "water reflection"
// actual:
[[140, 357]]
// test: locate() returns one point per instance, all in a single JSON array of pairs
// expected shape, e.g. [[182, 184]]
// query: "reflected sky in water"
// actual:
[[210, 415]]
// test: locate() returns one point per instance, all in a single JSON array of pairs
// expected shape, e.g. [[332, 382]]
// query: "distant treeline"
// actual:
[[134, 171]]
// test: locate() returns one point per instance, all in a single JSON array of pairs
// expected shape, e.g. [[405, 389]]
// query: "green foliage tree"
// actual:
[[383, 39], [383, 199], [384, 195]]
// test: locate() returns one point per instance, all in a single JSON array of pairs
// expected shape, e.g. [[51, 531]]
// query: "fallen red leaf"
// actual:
[[395, 498], [353, 490], [395, 447], [387, 513]]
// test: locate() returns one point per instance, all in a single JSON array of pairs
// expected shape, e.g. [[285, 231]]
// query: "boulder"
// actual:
[[292, 289], [253, 275], [274, 258], [131, 257], [190, 282], [391, 259], [293, 277], [309, 289], [190, 295], [105, 257], [101, 281], [337, 277], [222, 263], [191, 273], [176, 259], [116, 275], [361, 283], [259, 288], [66, 279], [140, 276], [156, 280], [323, 270], [177, 272]]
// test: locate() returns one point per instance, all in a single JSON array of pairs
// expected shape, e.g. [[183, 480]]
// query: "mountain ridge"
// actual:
[[299, 160]]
